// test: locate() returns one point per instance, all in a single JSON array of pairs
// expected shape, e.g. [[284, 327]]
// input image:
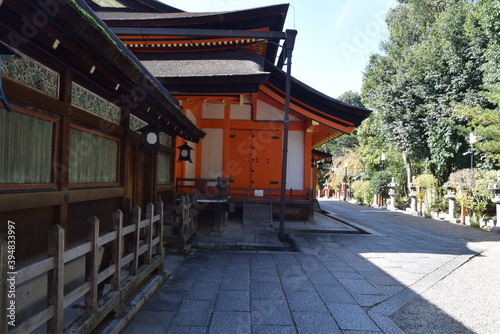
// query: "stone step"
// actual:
[[258, 213]]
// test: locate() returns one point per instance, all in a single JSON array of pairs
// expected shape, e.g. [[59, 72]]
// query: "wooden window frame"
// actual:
[[171, 181], [118, 159], [55, 139]]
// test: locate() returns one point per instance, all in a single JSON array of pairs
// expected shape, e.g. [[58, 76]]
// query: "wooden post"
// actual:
[[149, 233], [117, 250], [183, 215], [136, 218], [92, 263], [4, 327], [55, 285], [463, 213], [160, 250]]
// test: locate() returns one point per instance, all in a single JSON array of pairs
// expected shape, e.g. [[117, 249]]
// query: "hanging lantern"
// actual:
[[150, 138], [185, 153]]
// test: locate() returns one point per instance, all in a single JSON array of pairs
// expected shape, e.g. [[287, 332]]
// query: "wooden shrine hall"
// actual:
[[109, 110], [225, 68]]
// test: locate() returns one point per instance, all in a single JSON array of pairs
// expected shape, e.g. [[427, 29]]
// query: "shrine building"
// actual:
[[226, 69]]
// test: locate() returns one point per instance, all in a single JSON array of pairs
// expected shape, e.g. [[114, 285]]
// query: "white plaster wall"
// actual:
[[295, 165], [266, 112], [211, 154], [213, 111], [241, 112]]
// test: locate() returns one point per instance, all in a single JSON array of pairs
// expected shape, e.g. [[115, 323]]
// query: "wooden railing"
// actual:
[[272, 194], [181, 221], [128, 268], [216, 188]]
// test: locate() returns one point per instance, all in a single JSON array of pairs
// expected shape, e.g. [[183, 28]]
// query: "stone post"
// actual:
[[451, 195], [392, 193], [463, 208], [496, 187], [413, 197]]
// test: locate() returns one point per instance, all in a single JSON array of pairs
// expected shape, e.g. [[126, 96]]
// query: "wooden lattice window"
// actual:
[[93, 157], [26, 148], [164, 173]]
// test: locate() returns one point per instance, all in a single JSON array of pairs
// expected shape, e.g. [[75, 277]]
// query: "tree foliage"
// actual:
[[431, 62], [473, 186]]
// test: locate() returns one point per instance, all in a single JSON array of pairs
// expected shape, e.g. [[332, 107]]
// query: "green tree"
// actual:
[[429, 64], [484, 29]]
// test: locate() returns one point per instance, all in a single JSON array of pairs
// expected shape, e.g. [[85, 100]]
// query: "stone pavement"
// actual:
[[335, 283]]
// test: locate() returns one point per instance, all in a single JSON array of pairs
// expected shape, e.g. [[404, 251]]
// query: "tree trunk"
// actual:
[[407, 163]]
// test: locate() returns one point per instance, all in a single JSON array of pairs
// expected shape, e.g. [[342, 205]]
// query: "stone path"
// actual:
[[336, 283]]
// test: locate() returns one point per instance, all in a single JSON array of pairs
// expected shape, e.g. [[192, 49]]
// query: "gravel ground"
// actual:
[[466, 301]]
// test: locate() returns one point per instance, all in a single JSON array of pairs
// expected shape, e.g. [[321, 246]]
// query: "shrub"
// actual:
[[475, 193], [379, 183], [361, 191], [428, 194]]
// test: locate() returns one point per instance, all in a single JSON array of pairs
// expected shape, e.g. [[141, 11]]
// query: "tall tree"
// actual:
[[429, 64], [484, 29]]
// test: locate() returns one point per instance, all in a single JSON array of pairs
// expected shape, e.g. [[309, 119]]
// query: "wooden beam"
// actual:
[[22, 201], [311, 125], [24, 94], [223, 33]]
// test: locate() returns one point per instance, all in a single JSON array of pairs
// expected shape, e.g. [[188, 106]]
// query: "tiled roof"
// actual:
[[203, 64]]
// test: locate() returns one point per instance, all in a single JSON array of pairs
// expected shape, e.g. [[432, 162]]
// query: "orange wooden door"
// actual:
[[239, 167], [255, 159], [266, 164]]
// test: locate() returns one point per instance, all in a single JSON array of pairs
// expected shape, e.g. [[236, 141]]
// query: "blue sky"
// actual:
[[335, 37]]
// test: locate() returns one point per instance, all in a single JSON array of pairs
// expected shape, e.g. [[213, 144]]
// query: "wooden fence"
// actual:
[[129, 267], [181, 221]]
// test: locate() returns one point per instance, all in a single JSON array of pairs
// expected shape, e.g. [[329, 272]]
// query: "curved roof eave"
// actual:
[[270, 18], [315, 101], [159, 92]]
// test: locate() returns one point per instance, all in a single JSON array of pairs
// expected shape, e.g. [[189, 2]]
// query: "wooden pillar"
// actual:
[[148, 178], [309, 177], [197, 110], [62, 156], [226, 143], [126, 162]]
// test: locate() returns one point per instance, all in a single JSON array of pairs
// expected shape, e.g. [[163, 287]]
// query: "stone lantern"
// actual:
[[451, 195], [496, 187], [392, 193]]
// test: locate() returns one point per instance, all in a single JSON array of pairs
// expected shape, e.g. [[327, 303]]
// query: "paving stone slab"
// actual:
[[274, 330], [274, 312], [352, 317], [231, 323], [193, 313], [305, 301], [267, 290], [233, 301], [315, 322]]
